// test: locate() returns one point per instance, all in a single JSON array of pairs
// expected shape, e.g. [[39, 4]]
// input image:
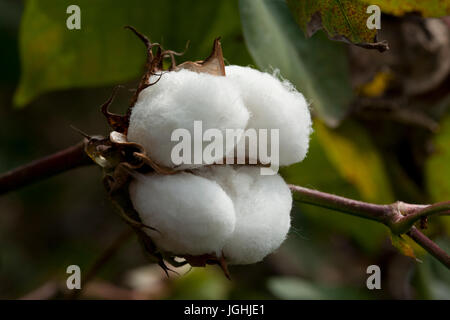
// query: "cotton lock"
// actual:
[[192, 215], [221, 210], [244, 99], [275, 104], [262, 205], [228, 211], [175, 102]]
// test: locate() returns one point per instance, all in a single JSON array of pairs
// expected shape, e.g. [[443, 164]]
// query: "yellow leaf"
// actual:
[[351, 151], [406, 246], [428, 8], [377, 86]]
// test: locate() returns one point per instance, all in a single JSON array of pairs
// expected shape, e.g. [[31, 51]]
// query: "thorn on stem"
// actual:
[[117, 122], [80, 132]]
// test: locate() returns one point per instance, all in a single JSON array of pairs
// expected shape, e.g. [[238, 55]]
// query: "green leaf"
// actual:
[[103, 53], [438, 164], [355, 157], [429, 8], [403, 245], [344, 20], [317, 67], [289, 288]]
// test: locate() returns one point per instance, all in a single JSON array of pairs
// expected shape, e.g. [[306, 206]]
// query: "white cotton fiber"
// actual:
[[176, 101], [275, 104], [262, 205], [219, 209], [193, 215]]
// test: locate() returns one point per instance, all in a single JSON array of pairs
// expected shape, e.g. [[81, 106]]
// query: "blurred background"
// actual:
[[382, 133]]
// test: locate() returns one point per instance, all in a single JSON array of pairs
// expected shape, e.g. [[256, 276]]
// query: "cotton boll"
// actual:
[[175, 102], [193, 215], [262, 205], [275, 104]]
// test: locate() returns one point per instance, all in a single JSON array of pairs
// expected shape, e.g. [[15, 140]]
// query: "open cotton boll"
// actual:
[[262, 205], [175, 102], [193, 215], [275, 104]]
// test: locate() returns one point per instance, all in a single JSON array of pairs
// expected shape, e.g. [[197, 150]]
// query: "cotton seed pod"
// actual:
[[193, 215], [177, 100], [262, 205], [275, 104]]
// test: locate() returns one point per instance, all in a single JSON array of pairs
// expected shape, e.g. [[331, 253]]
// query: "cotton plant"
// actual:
[[208, 212]]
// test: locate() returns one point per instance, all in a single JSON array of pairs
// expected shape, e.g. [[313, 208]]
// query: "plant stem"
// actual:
[[54, 164], [380, 213], [104, 258], [399, 217], [426, 211], [430, 246]]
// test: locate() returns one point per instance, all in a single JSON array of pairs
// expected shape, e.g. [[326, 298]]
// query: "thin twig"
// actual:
[[104, 258], [441, 208], [430, 246], [54, 164]]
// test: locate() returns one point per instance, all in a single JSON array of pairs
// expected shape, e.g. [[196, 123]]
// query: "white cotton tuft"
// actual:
[[175, 102], [275, 104], [262, 205], [193, 215]]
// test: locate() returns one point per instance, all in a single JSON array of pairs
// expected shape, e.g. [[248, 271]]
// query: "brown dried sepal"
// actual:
[[116, 181], [121, 158], [154, 66], [211, 259], [139, 156], [117, 122], [214, 64]]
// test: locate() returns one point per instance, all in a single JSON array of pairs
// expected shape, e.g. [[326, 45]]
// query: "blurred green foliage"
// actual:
[[297, 289], [318, 171], [276, 42], [103, 53], [202, 284], [432, 278], [355, 157], [438, 165]]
